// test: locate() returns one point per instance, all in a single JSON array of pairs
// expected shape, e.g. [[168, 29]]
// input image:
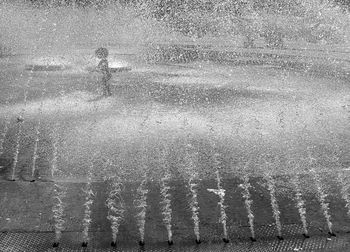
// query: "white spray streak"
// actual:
[[4, 133], [37, 138], [141, 204], [35, 151], [322, 195], [193, 188], [248, 202], [345, 188], [275, 209], [16, 153], [221, 193], [89, 194], [300, 203], [166, 203], [115, 205], [55, 142], [194, 206], [58, 209]]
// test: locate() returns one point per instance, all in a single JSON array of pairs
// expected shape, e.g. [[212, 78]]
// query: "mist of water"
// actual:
[[17, 148], [345, 189], [141, 204], [192, 185], [248, 203], [322, 196], [50, 28], [274, 204], [89, 200], [221, 193], [4, 133], [166, 204], [35, 150], [300, 203], [55, 142], [58, 208], [115, 205]]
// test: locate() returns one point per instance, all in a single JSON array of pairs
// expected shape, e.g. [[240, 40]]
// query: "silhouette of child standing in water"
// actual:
[[102, 54]]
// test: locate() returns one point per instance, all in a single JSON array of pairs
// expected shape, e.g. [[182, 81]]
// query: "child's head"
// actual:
[[101, 53]]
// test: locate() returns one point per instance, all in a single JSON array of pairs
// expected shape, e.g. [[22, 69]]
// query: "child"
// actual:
[[102, 53]]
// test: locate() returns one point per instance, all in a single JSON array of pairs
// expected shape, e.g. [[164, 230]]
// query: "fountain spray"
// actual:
[[59, 194], [16, 153], [248, 204], [36, 143], [345, 188], [89, 194], [166, 204], [322, 195], [300, 203], [58, 211], [4, 133], [275, 209], [221, 193], [55, 141], [193, 188], [141, 204], [19, 123], [116, 207], [35, 151]]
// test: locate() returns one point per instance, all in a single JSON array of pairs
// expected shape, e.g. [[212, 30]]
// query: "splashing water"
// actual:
[[89, 194], [115, 205], [35, 151], [345, 187], [194, 206], [221, 193], [37, 136], [322, 195], [193, 188], [141, 204], [166, 203], [16, 152], [4, 133], [300, 203], [55, 141], [58, 209], [248, 203], [275, 209], [19, 123]]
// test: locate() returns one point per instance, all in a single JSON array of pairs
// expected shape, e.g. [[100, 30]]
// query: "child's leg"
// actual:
[[106, 87]]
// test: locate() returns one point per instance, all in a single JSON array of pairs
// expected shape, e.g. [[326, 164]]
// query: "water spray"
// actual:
[[322, 195], [141, 204], [300, 204], [36, 143], [345, 189], [221, 193], [116, 207], [55, 142], [248, 204], [193, 194], [58, 211], [275, 208], [166, 205], [20, 120], [89, 195], [4, 133]]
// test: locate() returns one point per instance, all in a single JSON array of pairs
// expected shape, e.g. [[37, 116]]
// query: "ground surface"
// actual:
[[259, 119]]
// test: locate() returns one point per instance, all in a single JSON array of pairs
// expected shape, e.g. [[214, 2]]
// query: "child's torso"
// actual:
[[103, 66]]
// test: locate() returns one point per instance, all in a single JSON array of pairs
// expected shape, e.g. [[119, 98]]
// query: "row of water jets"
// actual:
[[116, 206]]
